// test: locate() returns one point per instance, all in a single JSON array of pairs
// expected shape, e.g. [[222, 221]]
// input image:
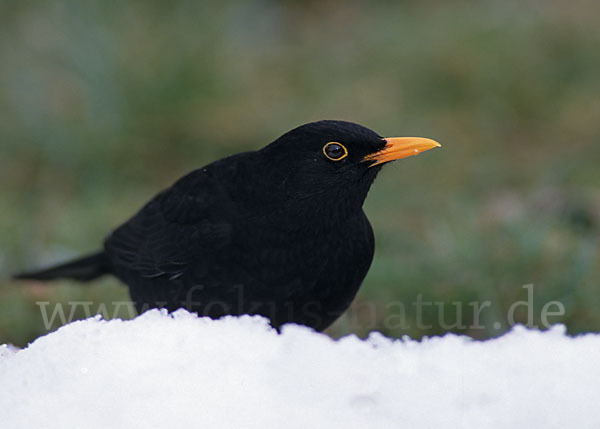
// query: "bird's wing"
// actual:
[[179, 227]]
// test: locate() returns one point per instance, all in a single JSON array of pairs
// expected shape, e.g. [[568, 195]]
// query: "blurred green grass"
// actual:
[[104, 103]]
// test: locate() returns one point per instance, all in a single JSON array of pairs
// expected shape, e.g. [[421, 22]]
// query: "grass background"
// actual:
[[103, 103]]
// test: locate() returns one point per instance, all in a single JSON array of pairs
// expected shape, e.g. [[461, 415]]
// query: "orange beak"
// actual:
[[401, 147]]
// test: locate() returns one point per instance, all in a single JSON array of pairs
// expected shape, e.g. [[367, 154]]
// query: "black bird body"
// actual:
[[278, 232]]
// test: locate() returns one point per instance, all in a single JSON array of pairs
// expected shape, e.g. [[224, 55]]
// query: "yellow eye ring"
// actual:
[[335, 151]]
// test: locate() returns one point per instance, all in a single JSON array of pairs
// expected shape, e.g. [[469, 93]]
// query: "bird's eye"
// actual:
[[335, 151]]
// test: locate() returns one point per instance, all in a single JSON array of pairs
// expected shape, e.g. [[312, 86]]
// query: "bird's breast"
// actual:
[[281, 253]]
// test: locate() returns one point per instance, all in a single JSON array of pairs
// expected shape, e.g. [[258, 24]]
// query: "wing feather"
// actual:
[[180, 227]]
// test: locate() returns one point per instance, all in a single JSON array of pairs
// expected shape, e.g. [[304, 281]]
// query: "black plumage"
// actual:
[[279, 232]]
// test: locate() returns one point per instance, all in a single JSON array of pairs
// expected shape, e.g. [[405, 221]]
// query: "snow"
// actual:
[[179, 370]]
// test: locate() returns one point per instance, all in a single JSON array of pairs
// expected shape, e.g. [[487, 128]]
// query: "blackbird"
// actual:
[[278, 232]]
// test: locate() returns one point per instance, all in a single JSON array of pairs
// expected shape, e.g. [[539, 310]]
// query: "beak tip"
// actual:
[[433, 143]]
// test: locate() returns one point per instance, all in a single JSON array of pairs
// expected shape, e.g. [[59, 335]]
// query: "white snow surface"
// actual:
[[179, 370]]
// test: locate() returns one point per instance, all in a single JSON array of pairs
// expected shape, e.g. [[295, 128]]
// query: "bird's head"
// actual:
[[335, 161]]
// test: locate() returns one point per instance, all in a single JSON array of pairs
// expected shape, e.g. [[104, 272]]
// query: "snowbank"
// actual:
[[161, 371]]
